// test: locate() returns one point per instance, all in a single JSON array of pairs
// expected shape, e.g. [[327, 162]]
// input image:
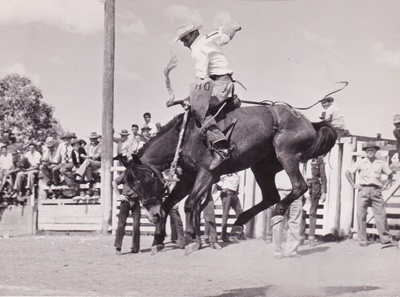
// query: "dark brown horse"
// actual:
[[266, 139]]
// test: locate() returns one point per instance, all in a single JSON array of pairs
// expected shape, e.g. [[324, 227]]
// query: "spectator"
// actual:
[[370, 187], [146, 133], [25, 179], [316, 179], [286, 234], [177, 234], [135, 139], [229, 187], [267, 229], [333, 116], [64, 151], [124, 145], [92, 161], [210, 226], [49, 161], [78, 156], [6, 165], [396, 132], [150, 124], [129, 203]]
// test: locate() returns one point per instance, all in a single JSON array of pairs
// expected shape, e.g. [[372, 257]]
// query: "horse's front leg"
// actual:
[[201, 187], [159, 236], [179, 192]]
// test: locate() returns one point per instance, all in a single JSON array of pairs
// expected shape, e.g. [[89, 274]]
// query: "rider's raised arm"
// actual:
[[225, 33]]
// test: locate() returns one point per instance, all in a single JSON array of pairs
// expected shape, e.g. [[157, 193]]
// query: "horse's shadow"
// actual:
[[314, 250]]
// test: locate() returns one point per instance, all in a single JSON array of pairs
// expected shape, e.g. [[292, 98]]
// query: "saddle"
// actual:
[[219, 112]]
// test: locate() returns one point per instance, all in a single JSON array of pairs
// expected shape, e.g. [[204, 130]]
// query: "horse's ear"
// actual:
[[135, 159]]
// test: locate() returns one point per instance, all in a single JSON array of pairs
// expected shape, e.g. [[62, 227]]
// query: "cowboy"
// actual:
[[213, 85], [370, 193]]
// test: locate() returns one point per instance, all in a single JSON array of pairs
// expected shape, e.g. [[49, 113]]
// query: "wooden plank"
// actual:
[[70, 227]]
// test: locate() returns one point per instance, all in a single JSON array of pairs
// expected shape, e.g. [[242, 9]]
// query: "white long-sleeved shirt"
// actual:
[[207, 54]]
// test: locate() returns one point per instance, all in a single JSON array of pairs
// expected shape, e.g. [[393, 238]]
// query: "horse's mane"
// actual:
[[167, 127], [141, 179]]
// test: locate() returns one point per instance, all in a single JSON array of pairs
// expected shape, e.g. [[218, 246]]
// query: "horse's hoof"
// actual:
[[156, 248], [190, 248], [215, 246], [276, 220], [236, 230]]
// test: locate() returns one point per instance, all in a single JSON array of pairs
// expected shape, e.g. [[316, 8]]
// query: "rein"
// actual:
[[270, 102], [172, 178]]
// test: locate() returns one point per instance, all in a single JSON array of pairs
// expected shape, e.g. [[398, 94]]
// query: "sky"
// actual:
[[291, 51]]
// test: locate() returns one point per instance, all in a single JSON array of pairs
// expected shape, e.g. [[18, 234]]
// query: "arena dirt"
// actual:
[[86, 265]]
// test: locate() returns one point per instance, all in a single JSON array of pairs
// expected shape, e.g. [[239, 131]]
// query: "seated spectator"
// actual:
[[333, 116], [64, 151], [50, 159], [25, 178], [78, 156], [6, 165], [92, 160]]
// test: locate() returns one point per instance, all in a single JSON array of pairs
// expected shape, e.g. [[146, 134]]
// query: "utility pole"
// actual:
[[108, 113]]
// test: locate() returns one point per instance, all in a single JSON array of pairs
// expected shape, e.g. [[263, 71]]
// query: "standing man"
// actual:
[[213, 85], [316, 179], [148, 123], [370, 193], [229, 186]]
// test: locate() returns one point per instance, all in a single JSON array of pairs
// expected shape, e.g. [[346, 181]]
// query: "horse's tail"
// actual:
[[326, 139]]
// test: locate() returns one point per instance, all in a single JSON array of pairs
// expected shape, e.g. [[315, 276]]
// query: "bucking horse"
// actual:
[[265, 138]]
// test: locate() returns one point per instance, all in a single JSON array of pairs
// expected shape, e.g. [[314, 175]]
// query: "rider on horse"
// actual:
[[213, 85]]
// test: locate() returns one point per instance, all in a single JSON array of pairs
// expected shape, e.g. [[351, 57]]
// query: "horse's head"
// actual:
[[147, 184]]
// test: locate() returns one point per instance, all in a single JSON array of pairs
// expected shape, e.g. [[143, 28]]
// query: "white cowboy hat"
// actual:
[[184, 29], [396, 118]]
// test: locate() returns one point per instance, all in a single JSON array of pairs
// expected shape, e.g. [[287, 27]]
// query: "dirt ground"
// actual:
[[77, 265]]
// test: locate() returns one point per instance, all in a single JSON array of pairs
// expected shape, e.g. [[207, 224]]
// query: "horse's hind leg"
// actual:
[[264, 173], [299, 185]]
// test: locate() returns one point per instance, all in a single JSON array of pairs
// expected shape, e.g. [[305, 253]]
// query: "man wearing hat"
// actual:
[[93, 159], [333, 115], [49, 161], [396, 131], [213, 85], [369, 188], [64, 151], [146, 133], [124, 145]]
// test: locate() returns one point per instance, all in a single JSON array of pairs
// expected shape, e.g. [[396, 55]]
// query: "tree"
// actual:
[[22, 109]]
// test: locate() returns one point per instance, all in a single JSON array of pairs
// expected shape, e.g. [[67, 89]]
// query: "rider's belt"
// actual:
[[217, 77], [371, 186]]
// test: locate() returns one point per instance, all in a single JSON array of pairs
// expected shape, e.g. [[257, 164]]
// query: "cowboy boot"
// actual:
[[221, 152]]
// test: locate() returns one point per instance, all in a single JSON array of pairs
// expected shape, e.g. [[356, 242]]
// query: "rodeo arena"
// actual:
[[200, 206]]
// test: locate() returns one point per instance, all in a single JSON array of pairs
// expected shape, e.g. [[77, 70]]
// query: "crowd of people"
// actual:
[[60, 163]]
